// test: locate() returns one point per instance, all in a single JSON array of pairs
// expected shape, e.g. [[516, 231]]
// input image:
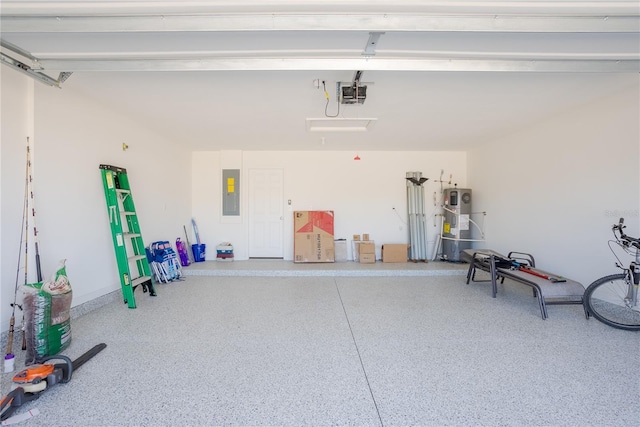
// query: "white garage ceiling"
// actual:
[[242, 74]]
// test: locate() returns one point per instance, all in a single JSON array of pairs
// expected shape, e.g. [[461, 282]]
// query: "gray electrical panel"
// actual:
[[231, 192], [456, 230]]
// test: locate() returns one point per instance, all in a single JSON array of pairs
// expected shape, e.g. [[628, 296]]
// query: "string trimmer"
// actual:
[[35, 379]]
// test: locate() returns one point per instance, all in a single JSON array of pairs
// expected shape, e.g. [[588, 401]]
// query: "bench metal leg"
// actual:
[[494, 277], [543, 307], [470, 271]]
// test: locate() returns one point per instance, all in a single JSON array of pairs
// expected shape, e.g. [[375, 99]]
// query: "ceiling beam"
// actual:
[[130, 7], [322, 22], [365, 64]]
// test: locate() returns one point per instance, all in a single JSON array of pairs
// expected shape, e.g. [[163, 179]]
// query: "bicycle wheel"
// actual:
[[607, 301]]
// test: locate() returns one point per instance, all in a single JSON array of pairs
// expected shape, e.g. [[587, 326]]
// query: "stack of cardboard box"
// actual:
[[367, 252], [364, 251]]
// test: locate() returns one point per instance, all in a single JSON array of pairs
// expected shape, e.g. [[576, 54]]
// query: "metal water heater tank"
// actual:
[[456, 231]]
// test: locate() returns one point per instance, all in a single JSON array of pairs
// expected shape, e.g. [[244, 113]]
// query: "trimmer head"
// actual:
[[33, 374], [31, 381]]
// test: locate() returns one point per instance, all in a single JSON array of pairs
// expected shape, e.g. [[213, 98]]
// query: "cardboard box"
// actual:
[[367, 258], [313, 236], [367, 248], [394, 252]]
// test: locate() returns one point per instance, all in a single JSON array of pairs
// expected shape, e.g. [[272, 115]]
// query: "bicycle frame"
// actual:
[[633, 272], [634, 280], [613, 299]]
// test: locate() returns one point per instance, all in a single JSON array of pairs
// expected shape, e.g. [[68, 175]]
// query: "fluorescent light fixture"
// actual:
[[340, 124]]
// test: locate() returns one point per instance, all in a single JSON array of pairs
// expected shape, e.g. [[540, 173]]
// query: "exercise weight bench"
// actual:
[[547, 288]]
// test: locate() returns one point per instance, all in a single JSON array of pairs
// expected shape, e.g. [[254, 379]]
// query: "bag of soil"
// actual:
[[46, 308]]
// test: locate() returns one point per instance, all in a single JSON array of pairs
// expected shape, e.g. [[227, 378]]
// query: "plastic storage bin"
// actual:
[[224, 252], [199, 252]]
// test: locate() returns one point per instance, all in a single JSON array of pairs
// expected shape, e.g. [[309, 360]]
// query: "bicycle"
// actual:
[[613, 299]]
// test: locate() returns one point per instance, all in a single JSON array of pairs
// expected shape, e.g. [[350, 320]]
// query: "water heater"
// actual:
[[456, 232]]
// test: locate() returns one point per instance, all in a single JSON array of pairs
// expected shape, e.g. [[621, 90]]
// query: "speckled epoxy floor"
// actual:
[[360, 351]]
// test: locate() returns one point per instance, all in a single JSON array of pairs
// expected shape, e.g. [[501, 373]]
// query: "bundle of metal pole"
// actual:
[[417, 219], [411, 214], [421, 229]]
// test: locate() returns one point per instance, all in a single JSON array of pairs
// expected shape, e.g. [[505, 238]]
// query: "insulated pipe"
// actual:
[[418, 223], [410, 212], [418, 201], [414, 223], [421, 226], [423, 248], [409, 216]]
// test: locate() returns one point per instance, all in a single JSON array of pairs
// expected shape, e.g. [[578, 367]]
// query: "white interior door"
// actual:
[[266, 213]]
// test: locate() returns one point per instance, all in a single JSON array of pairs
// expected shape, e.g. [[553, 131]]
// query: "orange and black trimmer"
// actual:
[[33, 380]]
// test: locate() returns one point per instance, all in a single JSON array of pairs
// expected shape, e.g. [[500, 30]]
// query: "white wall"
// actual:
[[555, 189], [73, 135], [16, 97], [361, 193]]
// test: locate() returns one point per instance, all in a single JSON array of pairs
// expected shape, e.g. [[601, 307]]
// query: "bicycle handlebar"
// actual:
[[626, 240]]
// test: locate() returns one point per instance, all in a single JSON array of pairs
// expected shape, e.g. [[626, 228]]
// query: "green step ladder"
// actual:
[[125, 230]]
